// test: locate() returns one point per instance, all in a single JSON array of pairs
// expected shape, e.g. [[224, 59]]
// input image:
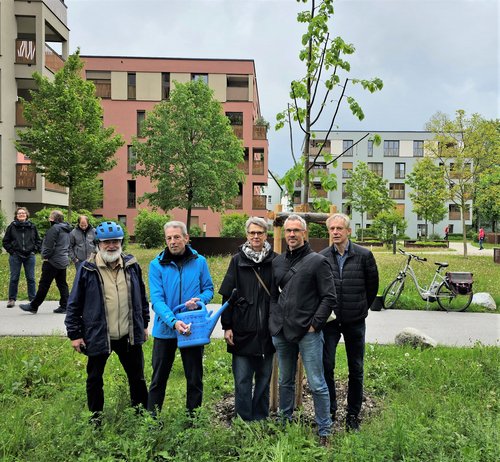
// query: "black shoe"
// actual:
[[28, 308], [11, 303], [60, 310], [352, 423]]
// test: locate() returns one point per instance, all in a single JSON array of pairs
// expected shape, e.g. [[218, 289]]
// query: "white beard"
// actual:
[[110, 257]]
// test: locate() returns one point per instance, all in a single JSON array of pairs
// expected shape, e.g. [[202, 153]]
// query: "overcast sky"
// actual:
[[433, 55]]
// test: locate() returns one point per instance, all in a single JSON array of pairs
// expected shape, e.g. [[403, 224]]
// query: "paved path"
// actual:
[[455, 329]]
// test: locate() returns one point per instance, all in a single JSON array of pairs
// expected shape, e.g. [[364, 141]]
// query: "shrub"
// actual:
[[41, 218], [3, 221], [195, 231], [233, 225], [317, 230], [149, 228], [384, 223]]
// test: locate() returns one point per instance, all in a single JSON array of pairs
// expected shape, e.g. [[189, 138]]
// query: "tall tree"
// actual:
[[87, 195], [190, 152], [66, 139], [467, 148], [324, 61], [429, 192], [367, 192], [488, 198]]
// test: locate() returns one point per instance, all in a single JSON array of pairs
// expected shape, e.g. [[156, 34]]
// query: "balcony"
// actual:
[[20, 120], [25, 51], [321, 193], [238, 131], [244, 166], [258, 167], [54, 187], [25, 176], [237, 93], [315, 172], [237, 202], [53, 61], [259, 132], [259, 202], [457, 215]]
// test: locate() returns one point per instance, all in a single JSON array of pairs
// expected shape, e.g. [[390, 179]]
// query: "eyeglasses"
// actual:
[[21, 213], [294, 231], [255, 233]]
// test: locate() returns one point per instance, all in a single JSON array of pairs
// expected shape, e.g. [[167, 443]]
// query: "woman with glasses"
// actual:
[[245, 323], [21, 241]]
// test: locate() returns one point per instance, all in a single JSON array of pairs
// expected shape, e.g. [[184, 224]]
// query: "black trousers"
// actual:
[[354, 339], [132, 360], [49, 273], [163, 359]]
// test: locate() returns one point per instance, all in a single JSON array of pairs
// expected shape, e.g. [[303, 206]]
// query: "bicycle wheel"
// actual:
[[392, 292], [451, 301]]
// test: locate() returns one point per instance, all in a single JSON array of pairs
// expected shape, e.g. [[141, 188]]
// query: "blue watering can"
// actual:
[[202, 323]]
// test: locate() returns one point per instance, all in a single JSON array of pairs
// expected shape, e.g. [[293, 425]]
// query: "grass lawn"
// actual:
[[486, 274], [433, 405]]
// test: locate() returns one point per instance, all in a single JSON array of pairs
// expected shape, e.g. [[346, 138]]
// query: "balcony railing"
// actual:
[[25, 176], [238, 202], [53, 61], [25, 51], [244, 166], [457, 216], [20, 120], [321, 193], [54, 187], [259, 202], [237, 94], [259, 132], [258, 167], [238, 131], [317, 172]]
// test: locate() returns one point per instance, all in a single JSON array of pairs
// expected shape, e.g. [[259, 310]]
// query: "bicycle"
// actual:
[[453, 291]]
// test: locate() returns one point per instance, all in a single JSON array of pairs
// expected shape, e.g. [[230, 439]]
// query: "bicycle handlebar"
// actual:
[[414, 257]]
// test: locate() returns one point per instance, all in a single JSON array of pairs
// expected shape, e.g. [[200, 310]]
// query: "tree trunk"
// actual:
[[188, 219], [362, 227], [70, 206], [464, 232]]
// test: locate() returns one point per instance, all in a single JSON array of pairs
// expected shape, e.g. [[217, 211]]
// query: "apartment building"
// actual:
[[131, 86], [34, 37], [393, 160]]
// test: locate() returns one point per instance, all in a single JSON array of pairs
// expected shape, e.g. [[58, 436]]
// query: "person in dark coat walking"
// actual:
[[356, 281], [81, 241], [108, 311], [22, 242], [55, 251], [245, 323]]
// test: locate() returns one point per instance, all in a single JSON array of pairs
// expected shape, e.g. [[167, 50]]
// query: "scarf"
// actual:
[[257, 257]]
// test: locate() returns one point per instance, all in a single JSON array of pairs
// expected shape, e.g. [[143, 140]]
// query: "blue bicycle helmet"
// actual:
[[108, 230]]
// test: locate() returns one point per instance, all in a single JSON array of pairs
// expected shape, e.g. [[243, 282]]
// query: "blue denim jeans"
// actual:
[[252, 372], [354, 339], [311, 350], [15, 264]]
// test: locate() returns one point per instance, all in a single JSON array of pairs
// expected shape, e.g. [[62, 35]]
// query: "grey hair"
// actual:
[[339, 216], [56, 216], [298, 218], [257, 221], [176, 224]]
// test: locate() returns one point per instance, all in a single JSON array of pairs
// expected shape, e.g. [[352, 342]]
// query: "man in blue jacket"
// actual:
[[108, 311], [178, 275]]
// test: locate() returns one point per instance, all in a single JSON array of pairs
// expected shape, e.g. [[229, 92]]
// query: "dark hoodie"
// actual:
[[55, 245], [21, 238]]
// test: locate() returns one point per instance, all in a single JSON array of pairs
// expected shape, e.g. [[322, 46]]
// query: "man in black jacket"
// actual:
[[356, 282], [246, 323], [302, 298], [55, 254]]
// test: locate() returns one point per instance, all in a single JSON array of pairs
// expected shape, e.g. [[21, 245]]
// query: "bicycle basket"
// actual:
[[460, 283]]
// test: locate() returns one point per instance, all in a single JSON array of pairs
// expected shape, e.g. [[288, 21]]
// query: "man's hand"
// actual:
[[182, 328], [146, 334], [228, 337], [78, 344], [191, 304]]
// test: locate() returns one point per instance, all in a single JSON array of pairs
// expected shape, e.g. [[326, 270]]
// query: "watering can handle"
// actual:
[[182, 307]]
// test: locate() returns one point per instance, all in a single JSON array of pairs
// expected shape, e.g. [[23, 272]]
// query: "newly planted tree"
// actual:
[[429, 192], [367, 193], [190, 152], [325, 63], [66, 140]]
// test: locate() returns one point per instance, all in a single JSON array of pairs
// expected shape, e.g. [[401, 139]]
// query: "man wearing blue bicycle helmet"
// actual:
[[108, 311]]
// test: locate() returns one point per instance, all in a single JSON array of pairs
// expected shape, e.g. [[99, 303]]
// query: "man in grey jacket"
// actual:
[[55, 254], [81, 241]]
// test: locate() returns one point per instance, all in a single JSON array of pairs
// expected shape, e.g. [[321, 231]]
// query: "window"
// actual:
[[454, 212], [131, 160], [377, 168], [131, 85], [391, 148], [396, 190], [347, 147], [421, 230], [258, 161], [344, 192], [370, 148], [123, 219], [400, 172], [235, 118], [131, 196], [418, 148], [102, 83], [346, 169], [165, 85], [346, 209], [141, 116], [237, 88], [202, 77]]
